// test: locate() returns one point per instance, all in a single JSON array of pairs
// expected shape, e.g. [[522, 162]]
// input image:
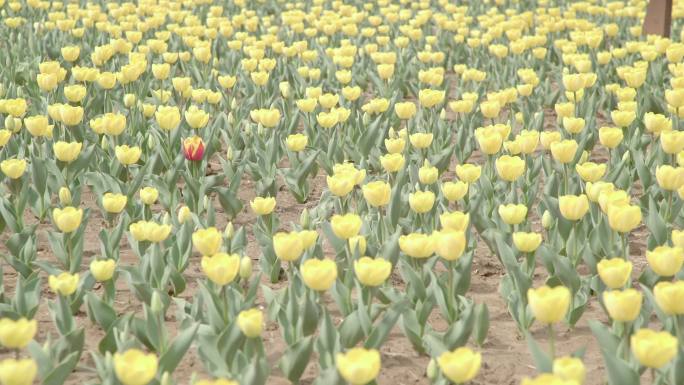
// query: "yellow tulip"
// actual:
[[609, 197], [102, 270], [670, 178], [546, 379], [207, 241], [339, 185], [454, 191], [392, 162], [614, 272], [67, 152], [251, 322], [657, 123], [678, 238], [427, 174], [665, 261], [456, 220], [16, 334], [429, 98], [372, 272], [623, 306], [512, 214], [405, 110], [308, 238], [549, 304], [134, 367], [624, 218], [167, 117], [510, 168], [70, 115], [377, 193], [319, 274], [610, 137], [573, 207], [490, 109], [114, 203], [357, 242], [358, 366], [547, 138], [449, 244], [196, 118], [417, 245], [149, 195], [526, 242], [127, 155], [590, 171], [64, 284], [346, 226], [38, 126], [489, 140], [573, 125], [422, 201], [570, 369], [149, 231], [670, 297], [461, 365], [296, 142], [263, 206], [219, 381], [13, 168], [70, 53], [653, 349], [395, 146], [75, 93], [18, 372], [672, 142], [67, 219], [421, 140], [564, 151], [468, 172], [594, 189], [288, 246], [622, 118], [221, 268]]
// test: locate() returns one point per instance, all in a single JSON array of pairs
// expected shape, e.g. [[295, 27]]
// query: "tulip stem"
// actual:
[[552, 341]]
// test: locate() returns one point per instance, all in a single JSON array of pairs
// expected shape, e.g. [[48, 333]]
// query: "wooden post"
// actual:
[[658, 18]]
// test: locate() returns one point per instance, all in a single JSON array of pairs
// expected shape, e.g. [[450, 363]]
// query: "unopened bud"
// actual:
[[166, 219], [184, 214], [442, 114], [104, 143], [229, 153], [626, 156], [584, 157], [9, 123], [156, 304], [129, 100], [431, 370], [166, 379], [206, 202], [65, 196], [305, 219], [233, 104], [245, 267], [229, 231], [547, 219]]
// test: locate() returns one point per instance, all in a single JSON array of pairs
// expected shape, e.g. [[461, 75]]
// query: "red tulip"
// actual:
[[193, 148]]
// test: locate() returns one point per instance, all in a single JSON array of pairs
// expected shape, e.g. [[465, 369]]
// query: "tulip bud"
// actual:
[[547, 219], [392, 133], [366, 119], [129, 100], [304, 219], [245, 267], [166, 219], [626, 156], [584, 157], [156, 304], [184, 214], [104, 143], [166, 379], [65, 196], [151, 143], [442, 114], [229, 231], [231, 118], [9, 123], [431, 370], [229, 153], [206, 202], [233, 104]]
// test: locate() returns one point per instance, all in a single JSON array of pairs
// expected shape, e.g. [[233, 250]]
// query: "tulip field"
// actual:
[[323, 192]]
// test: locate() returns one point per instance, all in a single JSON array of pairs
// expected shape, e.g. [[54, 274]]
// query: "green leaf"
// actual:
[[295, 359], [541, 359], [172, 357]]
